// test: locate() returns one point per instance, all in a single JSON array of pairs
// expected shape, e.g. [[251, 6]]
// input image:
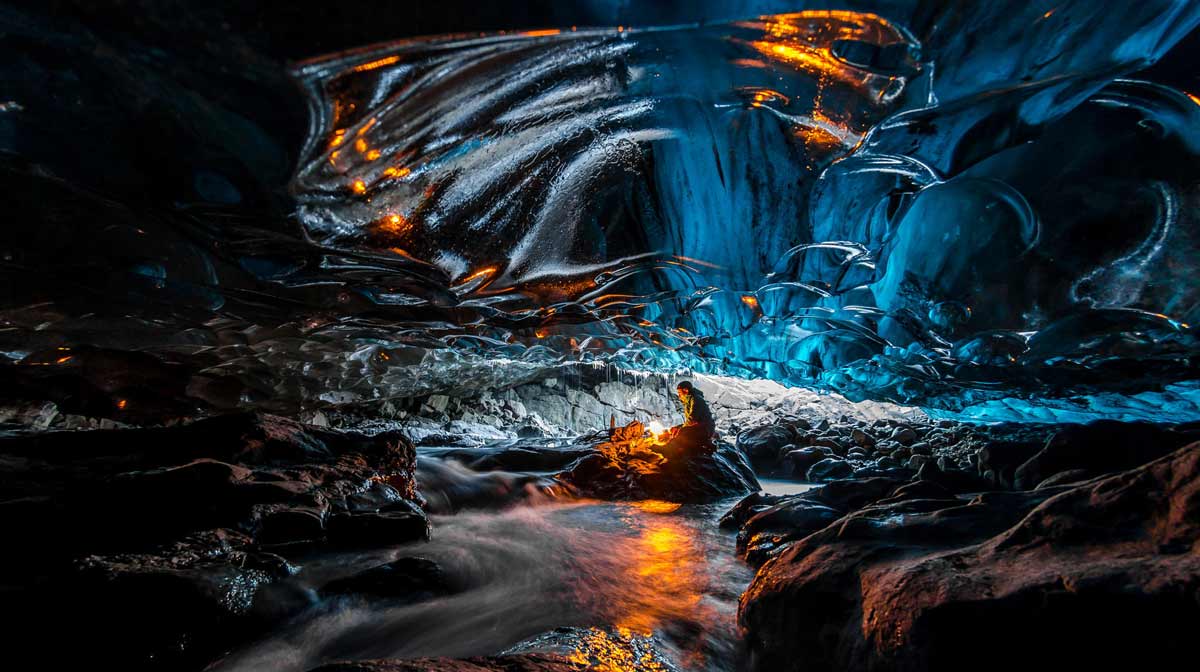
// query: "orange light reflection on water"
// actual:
[[667, 577], [664, 579]]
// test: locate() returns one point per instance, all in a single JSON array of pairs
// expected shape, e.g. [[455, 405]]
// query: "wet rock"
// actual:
[[292, 525], [1101, 574], [748, 506], [999, 457], [379, 528], [411, 579], [796, 463], [862, 438], [904, 435], [1098, 448], [702, 476], [152, 511], [1064, 478], [770, 530], [829, 469], [952, 480], [769, 525], [920, 489], [762, 445], [887, 446], [917, 461], [832, 443], [176, 605], [850, 495]]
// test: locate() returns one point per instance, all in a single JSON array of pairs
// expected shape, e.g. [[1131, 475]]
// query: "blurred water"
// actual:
[[776, 486], [645, 585]]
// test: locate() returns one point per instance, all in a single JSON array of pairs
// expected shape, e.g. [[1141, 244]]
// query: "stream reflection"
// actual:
[[646, 586]]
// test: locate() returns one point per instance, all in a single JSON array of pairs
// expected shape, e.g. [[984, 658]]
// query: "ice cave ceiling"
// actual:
[[955, 206]]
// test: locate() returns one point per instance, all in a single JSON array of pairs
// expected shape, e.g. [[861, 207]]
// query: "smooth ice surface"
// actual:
[[984, 211], [987, 210]]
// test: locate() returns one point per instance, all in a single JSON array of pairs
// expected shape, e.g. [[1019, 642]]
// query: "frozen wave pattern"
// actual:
[[814, 197]]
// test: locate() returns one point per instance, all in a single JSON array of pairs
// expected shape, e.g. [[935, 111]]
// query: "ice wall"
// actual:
[[945, 206]]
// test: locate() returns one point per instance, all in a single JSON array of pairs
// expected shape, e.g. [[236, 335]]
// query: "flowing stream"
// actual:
[[643, 585]]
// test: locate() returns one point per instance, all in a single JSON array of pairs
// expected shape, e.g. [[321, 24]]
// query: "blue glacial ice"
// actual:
[[978, 209]]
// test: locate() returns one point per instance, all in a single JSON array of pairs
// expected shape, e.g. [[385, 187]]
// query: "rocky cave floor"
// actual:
[[924, 545]]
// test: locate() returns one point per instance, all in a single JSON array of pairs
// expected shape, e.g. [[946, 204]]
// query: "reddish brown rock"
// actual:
[[1099, 575]]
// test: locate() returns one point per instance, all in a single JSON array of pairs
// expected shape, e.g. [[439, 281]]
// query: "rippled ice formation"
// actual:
[[979, 209]]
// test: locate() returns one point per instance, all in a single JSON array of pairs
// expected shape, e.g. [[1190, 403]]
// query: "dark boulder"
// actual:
[[397, 526], [1064, 478], [411, 579], [747, 507], [1098, 575], [616, 473], [829, 469], [999, 458], [1099, 448], [176, 605], [796, 463], [175, 524], [850, 495], [763, 445], [769, 531], [953, 480]]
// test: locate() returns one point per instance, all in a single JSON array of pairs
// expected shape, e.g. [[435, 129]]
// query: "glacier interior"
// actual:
[[353, 336], [984, 210]]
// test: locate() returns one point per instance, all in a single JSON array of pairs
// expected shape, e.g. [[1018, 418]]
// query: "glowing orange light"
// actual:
[[121, 404], [63, 360], [481, 273], [541, 33], [1194, 97], [360, 145], [359, 187], [656, 506], [392, 171], [376, 64], [750, 300], [339, 136], [372, 155], [699, 262], [394, 225], [819, 61]]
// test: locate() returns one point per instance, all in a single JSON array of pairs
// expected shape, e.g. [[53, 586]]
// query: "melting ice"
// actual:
[[819, 198]]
